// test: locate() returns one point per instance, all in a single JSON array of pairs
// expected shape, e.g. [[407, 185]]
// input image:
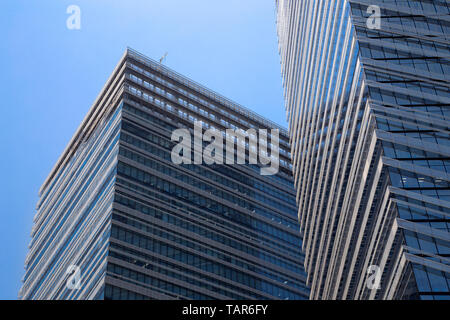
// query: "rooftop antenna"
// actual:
[[163, 58]]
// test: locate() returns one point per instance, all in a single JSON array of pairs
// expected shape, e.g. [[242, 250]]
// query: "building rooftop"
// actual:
[[98, 108]]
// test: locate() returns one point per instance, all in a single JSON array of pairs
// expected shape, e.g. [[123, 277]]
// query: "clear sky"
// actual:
[[51, 75]]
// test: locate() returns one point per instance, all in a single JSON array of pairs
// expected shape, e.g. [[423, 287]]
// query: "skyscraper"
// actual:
[[367, 91], [118, 219]]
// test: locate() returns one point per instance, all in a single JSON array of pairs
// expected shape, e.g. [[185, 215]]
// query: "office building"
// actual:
[[118, 219], [367, 91]]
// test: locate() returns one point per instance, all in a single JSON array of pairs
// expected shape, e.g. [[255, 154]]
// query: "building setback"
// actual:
[[118, 212], [368, 104]]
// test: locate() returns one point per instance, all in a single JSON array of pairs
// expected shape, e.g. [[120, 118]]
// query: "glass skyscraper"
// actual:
[[367, 91], [117, 219]]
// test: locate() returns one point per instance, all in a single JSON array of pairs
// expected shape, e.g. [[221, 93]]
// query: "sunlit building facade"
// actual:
[[367, 91], [117, 212]]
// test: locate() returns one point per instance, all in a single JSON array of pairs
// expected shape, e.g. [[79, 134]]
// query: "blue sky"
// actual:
[[51, 75]]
